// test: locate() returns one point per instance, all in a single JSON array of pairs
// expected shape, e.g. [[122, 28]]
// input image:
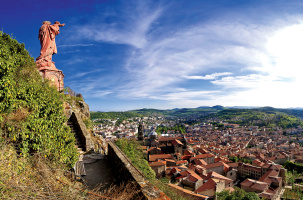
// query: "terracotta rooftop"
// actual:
[[200, 162], [157, 163], [271, 173], [193, 177], [163, 139], [257, 185], [217, 176], [188, 152], [247, 182], [181, 162], [233, 165], [209, 185], [260, 186], [176, 142], [159, 156], [213, 165], [201, 156]]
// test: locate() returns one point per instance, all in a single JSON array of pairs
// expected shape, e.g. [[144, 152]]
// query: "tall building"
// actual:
[[140, 132]]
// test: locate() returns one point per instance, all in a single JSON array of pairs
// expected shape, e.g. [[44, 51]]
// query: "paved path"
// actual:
[[98, 171]]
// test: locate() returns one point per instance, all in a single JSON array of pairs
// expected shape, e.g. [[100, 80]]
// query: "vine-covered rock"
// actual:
[[31, 112]]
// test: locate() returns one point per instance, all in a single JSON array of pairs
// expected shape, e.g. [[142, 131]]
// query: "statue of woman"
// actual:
[[47, 34]]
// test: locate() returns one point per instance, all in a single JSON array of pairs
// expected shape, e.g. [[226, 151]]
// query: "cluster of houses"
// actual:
[[198, 163], [199, 171]]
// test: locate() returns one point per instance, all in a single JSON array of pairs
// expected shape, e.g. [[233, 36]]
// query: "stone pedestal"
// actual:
[[55, 76]]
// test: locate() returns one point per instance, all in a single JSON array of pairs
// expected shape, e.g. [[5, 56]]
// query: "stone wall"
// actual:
[[127, 172], [83, 131], [79, 111]]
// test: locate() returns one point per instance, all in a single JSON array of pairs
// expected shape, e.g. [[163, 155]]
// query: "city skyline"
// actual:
[[124, 55]]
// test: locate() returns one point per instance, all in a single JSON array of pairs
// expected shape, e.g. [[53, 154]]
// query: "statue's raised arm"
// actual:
[[47, 34], [58, 23]]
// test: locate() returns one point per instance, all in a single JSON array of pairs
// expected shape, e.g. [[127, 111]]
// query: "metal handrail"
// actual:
[[70, 92]]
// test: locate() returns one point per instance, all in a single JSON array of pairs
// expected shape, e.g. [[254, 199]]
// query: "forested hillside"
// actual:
[[264, 116], [269, 117]]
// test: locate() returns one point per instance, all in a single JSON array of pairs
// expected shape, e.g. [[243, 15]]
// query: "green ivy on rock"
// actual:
[[31, 111]]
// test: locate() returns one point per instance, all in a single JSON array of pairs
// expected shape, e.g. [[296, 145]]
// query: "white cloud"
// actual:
[[73, 61], [208, 76], [185, 95], [81, 74], [75, 45], [131, 30], [264, 60]]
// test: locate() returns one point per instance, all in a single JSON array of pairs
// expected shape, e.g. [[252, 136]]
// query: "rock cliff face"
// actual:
[[79, 107]]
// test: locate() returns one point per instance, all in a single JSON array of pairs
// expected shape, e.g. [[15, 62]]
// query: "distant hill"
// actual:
[[263, 116]]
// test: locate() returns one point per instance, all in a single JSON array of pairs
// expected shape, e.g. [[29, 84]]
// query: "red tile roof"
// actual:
[[181, 162], [247, 182], [217, 176], [213, 165], [158, 163], [209, 185], [193, 177], [200, 162], [162, 139], [201, 156], [159, 156], [260, 186], [176, 142]]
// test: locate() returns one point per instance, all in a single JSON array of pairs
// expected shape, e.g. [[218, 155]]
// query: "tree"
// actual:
[[238, 194], [251, 196]]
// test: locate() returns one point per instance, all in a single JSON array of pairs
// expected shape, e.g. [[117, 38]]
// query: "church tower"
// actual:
[[140, 132]]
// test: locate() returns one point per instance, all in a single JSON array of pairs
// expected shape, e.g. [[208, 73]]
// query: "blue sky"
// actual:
[[124, 55]]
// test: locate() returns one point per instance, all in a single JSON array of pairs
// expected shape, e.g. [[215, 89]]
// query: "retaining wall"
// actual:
[[126, 171]]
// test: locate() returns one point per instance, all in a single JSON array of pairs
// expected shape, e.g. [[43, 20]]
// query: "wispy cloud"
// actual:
[[73, 61], [135, 21], [84, 73], [75, 45], [208, 76], [231, 56]]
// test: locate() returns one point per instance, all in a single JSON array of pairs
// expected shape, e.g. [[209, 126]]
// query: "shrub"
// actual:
[[135, 154]]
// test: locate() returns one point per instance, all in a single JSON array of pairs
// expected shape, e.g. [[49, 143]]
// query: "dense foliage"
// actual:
[[135, 154], [293, 167], [238, 194], [177, 128], [244, 160], [113, 115], [31, 112]]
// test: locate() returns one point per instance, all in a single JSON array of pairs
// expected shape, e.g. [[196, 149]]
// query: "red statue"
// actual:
[[47, 34], [46, 67]]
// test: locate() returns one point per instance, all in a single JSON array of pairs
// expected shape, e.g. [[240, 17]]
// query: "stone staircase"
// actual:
[[73, 126]]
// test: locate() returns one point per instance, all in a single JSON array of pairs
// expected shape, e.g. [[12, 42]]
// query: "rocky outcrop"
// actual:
[[79, 107]]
